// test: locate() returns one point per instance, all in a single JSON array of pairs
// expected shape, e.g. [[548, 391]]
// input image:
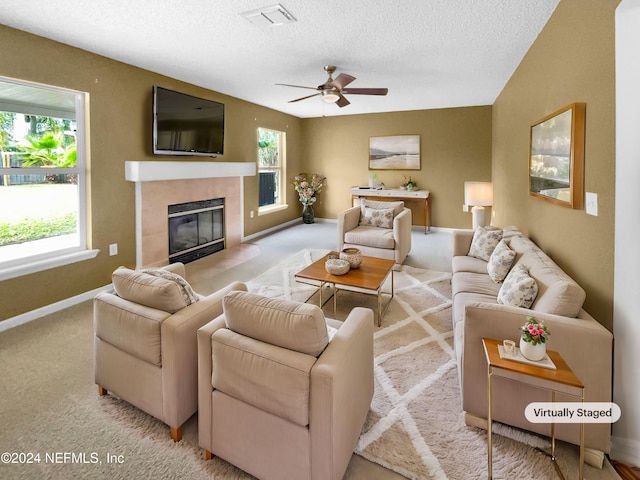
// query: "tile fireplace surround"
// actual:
[[160, 184]]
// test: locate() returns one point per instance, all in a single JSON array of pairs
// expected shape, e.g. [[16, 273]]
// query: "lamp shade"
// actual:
[[478, 194]]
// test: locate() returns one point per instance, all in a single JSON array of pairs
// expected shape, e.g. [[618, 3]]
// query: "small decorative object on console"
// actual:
[[409, 184], [353, 256], [533, 339]]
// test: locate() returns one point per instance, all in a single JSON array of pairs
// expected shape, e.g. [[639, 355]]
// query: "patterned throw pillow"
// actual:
[[377, 217], [484, 242], [500, 261], [518, 289], [185, 289]]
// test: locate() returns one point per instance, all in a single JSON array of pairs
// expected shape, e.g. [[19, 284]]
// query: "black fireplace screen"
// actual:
[[196, 229]]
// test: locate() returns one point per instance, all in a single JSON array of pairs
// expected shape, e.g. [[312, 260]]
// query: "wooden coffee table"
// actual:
[[368, 278]]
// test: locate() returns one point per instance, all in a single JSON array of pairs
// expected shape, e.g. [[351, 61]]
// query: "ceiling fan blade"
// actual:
[[365, 91], [304, 98], [342, 81], [296, 86], [342, 101]]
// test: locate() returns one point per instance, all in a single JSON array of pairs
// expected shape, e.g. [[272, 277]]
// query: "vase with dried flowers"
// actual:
[[307, 193]]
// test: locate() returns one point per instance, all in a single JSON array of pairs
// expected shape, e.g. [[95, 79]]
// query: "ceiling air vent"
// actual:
[[269, 16]]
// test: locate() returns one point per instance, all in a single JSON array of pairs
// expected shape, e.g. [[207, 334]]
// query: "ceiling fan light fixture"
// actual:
[[330, 96]]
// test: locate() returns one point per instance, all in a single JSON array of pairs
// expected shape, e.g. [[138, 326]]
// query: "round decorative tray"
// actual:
[[336, 266]]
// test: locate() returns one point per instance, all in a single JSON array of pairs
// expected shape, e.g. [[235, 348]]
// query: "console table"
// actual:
[[419, 197]]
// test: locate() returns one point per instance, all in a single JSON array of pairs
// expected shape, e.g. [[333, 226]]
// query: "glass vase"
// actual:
[[307, 213]]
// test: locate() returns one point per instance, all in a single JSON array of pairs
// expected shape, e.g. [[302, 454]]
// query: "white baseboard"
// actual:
[[48, 309], [625, 450]]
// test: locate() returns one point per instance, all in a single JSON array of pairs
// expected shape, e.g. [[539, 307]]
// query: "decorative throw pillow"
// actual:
[[185, 289], [518, 289], [397, 206], [484, 242], [155, 288], [500, 261], [373, 217]]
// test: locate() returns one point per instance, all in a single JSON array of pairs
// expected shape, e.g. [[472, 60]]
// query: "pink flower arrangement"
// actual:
[[534, 332], [307, 190]]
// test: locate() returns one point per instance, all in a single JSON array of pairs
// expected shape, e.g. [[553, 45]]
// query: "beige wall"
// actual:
[[571, 61], [120, 125], [455, 146]]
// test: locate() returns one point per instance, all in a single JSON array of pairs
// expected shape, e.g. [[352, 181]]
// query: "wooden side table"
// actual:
[[561, 380]]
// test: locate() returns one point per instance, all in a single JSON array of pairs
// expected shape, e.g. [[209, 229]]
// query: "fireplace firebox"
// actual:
[[196, 229]]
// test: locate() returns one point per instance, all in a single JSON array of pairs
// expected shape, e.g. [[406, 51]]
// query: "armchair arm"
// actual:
[[462, 242], [582, 342], [402, 234], [341, 393], [179, 355], [347, 220]]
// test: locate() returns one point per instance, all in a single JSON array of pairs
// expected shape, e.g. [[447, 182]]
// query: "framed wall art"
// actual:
[[556, 160], [397, 152]]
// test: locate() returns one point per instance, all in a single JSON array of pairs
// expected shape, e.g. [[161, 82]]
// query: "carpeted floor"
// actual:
[[49, 404], [416, 426]]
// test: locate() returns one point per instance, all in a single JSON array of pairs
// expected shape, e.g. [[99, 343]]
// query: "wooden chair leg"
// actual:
[[208, 455], [176, 434], [102, 391]]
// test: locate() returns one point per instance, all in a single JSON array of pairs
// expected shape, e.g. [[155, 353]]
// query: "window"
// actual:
[[271, 169], [42, 178]]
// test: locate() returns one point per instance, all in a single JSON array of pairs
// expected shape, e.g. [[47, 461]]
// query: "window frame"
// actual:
[[55, 257], [281, 202]]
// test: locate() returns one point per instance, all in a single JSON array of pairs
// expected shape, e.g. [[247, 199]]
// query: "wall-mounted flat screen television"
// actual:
[[186, 125]]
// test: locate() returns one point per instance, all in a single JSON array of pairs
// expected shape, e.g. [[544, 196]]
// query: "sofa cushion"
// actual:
[[558, 293], [155, 288], [500, 261], [464, 263], [293, 325], [485, 240], [471, 282], [131, 327], [371, 237], [377, 217], [270, 378], [518, 289]]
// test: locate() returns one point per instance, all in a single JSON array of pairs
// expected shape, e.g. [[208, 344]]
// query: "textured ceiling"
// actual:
[[429, 53]]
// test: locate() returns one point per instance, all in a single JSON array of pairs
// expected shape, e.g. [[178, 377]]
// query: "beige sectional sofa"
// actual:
[[584, 343]]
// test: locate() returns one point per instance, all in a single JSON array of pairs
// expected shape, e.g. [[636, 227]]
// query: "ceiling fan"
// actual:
[[334, 91]]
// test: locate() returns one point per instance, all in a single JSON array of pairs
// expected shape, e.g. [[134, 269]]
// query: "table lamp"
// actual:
[[478, 195]]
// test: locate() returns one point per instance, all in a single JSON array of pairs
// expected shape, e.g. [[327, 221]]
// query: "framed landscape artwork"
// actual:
[[556, 160], [397, 152]]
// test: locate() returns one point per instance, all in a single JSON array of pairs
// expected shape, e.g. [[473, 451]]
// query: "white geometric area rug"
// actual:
[[415, 425]]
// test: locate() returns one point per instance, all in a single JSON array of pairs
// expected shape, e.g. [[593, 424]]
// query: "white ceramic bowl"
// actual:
[[336, 266]]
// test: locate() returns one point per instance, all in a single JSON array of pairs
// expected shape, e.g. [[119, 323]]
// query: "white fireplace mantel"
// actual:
[[156, 187], [157, 171]]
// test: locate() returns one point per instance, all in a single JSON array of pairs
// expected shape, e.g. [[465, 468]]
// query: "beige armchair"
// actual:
[[378, 229], [145, 341], [283, 393]]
